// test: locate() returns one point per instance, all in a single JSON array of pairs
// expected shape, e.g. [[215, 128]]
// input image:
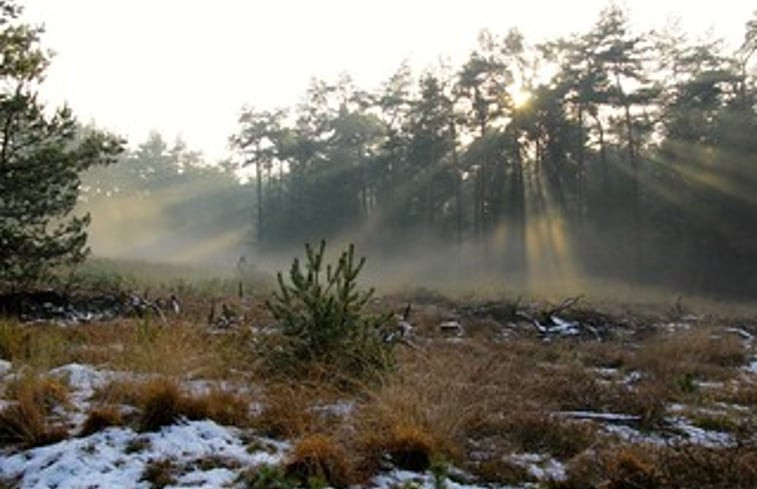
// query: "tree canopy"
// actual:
[[42, 153], [632, 156]]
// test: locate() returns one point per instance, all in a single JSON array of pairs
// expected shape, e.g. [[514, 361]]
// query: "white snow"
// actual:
[[744, 334], [117, 457], [681, 432], [542, 467], [752, 366], [5, 367], [597, 416], [82, 379], [563, 327], [700, 436], [400, 478]]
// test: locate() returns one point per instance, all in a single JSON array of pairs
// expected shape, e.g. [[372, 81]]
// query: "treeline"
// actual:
[[166, 202], [626, 154]]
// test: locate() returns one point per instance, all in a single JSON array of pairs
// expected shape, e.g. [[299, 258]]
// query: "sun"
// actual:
[[520, 96]]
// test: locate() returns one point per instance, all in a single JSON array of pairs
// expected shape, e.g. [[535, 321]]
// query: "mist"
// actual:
[[608, 162]]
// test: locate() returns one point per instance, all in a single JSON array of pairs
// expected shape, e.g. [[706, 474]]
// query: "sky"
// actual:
[[187, 67]]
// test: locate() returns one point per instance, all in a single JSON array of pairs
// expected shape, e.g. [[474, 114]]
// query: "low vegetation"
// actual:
[[615, 408], [323, 319]]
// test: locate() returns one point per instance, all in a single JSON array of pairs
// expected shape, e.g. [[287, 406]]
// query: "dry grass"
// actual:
[[162, 401], [699, 353], [221, 406], [408, 447], [664, 467], [161, 404], [319, 459], [25, 421], [741, 393], [176, 347], [38, 346], [539, 432], [290, 409], [100, 418], [44, 391], [446, 399], [446, 396], [172, 350], [627, 470]]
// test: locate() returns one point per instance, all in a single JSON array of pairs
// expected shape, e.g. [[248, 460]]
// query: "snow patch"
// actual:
[[5, 366], [117, 457]]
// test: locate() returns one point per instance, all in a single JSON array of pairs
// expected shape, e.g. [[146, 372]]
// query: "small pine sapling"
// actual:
[[323, 319]]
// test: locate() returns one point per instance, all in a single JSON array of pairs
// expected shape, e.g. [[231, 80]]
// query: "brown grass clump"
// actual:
[[408, 447], [697, 354], [25, 421], [119, 392], [629, 471], [47, 392], [665, 467], [319, 458], [100, 418], [161, 404], [162, 401], [572, 388], [221, 406]]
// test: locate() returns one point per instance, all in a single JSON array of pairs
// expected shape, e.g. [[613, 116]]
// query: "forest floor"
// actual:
[[484, 394]]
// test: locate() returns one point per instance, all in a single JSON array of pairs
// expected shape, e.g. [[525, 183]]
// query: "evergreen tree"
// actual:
[[41, 158]]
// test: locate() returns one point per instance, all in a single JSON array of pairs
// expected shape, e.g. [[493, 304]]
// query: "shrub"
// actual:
[[323, 319]]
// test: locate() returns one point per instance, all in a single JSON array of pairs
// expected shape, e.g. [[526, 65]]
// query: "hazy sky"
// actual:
[[186, 67]]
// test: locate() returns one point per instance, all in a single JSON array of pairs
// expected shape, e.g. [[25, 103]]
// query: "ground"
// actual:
[[496, 394]]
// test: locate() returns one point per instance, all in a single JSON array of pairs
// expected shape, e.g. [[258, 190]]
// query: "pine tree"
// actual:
[[41, 157]]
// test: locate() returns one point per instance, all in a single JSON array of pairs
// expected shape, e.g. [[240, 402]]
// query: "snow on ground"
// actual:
[[540, 466], [752, 366], [404, 478], [5, 367], [117, 457], [679, 430]]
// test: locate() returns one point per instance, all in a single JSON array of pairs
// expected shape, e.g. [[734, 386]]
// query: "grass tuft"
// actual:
[[100, 418], [161, 404], [319, 459], [25, 423]]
